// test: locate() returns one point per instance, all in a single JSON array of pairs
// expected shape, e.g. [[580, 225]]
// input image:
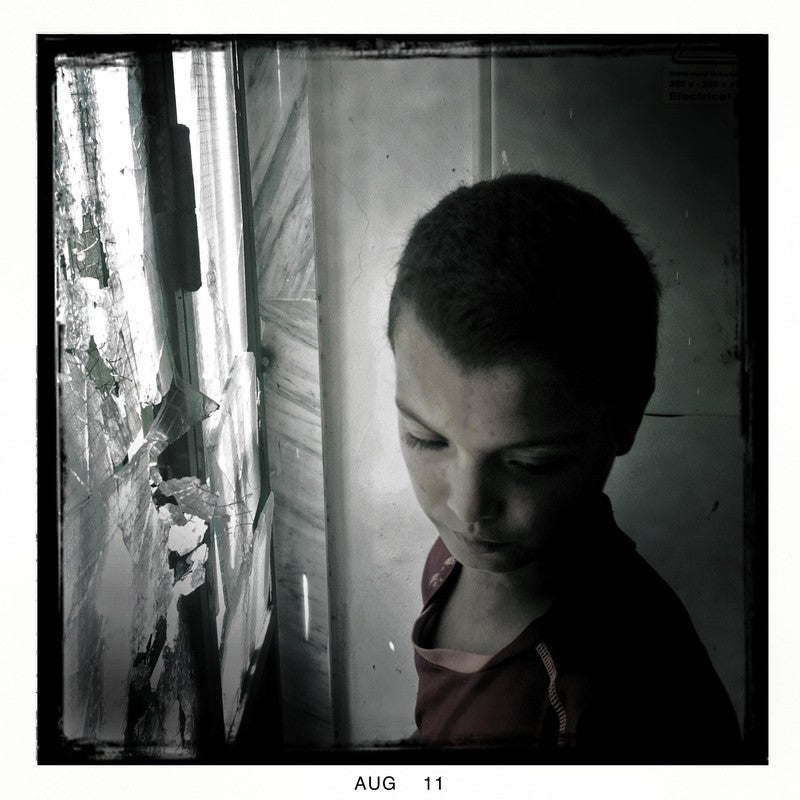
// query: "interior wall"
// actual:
[[389, 137], [670, 170]]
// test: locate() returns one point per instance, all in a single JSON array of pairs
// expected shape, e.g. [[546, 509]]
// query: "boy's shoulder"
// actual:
[[614, 593], [632, 634]]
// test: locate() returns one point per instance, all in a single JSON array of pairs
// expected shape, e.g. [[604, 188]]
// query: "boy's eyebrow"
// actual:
[[568, 440], [410, 414]]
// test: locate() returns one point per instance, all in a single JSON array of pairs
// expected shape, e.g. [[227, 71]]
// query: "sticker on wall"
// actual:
[[700, 84]]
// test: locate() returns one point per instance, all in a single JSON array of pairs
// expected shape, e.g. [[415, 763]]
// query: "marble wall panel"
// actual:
[[280, 164], [276, 85]]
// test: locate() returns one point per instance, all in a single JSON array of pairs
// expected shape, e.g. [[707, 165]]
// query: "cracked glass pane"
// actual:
[[129, 678], [134, 544], [204, 91], [204, 99]]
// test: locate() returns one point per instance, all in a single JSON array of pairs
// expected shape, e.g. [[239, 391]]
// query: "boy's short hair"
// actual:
[[524, 263]]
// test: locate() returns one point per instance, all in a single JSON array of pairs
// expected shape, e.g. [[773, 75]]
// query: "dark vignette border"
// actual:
[[751, 53]]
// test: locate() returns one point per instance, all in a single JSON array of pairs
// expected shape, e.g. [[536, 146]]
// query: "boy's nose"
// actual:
[[471, 497]]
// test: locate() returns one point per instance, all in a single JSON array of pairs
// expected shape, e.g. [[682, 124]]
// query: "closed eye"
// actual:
[[416, 443], [536, 467]]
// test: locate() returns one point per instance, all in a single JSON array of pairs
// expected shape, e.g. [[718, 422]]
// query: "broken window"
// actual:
[[161, 472], [204, 94]]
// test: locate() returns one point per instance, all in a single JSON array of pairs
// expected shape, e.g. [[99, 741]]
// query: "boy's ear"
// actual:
[[630, 416]]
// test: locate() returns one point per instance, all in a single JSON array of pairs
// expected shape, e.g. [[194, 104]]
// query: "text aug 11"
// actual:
[[388, 783]]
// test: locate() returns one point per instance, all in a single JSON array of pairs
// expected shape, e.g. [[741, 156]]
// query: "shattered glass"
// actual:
[[246, 621], [204, 99], [133, 543], [204, 91], [231, 457], [182, 408], [129, 680]]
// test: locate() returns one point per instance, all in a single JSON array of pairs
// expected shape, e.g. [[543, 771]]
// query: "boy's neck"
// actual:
[[531, 583], [542, 578], [486, 610]]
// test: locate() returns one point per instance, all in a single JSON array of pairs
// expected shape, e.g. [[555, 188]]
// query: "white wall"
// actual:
[[389, 138]]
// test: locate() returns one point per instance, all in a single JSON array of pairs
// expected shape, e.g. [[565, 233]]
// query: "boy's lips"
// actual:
[[478, 541]]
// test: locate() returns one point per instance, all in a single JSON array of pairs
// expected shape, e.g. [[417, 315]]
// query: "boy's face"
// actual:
[[500, 458]]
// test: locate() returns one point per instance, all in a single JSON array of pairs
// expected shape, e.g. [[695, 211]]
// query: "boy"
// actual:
[[523, 322]]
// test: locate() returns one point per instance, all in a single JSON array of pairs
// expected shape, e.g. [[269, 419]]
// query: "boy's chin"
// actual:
[[490, 556]]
